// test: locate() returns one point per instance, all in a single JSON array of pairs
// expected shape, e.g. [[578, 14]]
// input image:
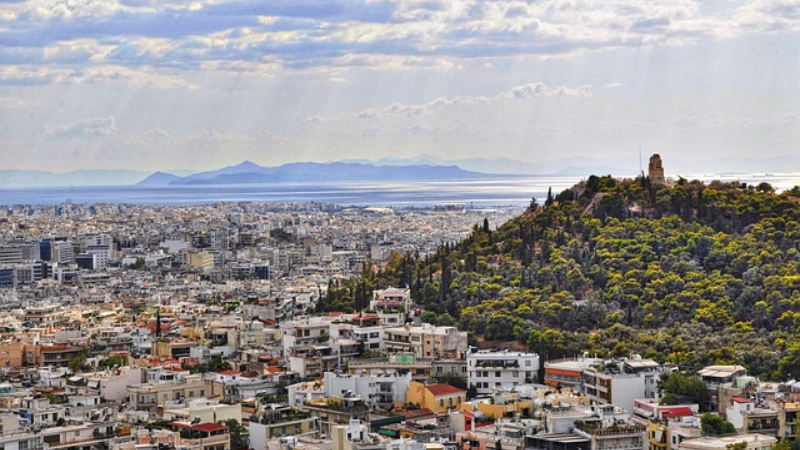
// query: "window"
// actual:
[[441, 403], [497, 374], [527, 363], [515, 373]]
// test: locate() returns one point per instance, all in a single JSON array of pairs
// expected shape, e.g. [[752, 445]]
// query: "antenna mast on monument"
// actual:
[[641, 170]]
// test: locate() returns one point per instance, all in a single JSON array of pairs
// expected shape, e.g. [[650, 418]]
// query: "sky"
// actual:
[[197, 85]]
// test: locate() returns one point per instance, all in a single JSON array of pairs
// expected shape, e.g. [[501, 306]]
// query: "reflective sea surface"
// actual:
[[480, 192], [496, 191]]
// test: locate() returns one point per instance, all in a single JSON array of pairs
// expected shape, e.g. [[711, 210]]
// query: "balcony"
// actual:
[[766, 425], [499, 363], [220, 439]]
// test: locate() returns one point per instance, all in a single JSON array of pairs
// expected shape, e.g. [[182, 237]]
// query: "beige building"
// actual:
[[273, 424], [202, 410], [150, 396], [334, 411], [753, 441], [201, 260], [204, 436], [427, 341]]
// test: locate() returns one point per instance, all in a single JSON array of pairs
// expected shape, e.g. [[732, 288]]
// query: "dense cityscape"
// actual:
[[230, 326], [399, 225]]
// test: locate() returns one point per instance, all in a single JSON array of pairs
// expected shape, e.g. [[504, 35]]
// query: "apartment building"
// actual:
[[621, 381], [490, 370], [169, 387], [392, 305], [380, 389], [426, 341]]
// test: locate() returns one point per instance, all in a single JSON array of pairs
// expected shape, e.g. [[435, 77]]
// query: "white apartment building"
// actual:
[[370, 336], [376, 389], [392, 305], [621, 381], [487, 370], [306, 331], [15, 437]]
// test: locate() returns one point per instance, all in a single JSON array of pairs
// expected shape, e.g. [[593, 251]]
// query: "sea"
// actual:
[[484, 192]]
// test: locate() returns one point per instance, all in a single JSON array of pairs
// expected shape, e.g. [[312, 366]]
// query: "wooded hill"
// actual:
[[692, 274]]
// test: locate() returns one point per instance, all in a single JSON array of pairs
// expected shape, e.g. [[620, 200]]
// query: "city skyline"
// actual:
[[154, 85]]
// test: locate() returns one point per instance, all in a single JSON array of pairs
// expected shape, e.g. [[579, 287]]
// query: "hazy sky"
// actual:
[[165, 84]]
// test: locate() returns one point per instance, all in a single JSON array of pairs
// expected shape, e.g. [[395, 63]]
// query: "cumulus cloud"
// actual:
[[540, 89], [521, 92], [87, 128], [29, 75], [394, 110], [69, 9], [204, 35]]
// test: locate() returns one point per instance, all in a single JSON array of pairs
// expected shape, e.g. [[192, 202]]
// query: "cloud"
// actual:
[[394, 110], [69, 9], [87, 128], [768, 16], [520, 92], [29, 75], [229, 35], [539, 89]]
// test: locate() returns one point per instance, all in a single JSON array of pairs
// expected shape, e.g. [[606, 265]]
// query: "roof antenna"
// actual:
[[641, 170]]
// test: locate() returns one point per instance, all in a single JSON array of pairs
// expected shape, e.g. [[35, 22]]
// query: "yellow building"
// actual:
[[436, 397], [496, 411], [12, 354], [198, 259], [275, 424]]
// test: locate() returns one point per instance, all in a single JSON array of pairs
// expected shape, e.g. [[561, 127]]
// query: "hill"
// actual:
[[158, 179], [248, 172], [692, 274]]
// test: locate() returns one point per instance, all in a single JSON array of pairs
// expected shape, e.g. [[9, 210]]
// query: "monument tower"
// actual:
[[655, 170]]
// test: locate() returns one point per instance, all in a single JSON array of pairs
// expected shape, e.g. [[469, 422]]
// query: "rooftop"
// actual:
[[442, 389]]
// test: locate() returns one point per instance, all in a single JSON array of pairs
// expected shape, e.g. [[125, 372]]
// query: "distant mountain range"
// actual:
[[251, 173], [624, 166], [563, 166], [422, 168]]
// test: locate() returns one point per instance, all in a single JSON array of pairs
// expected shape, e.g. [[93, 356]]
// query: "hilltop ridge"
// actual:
[[691, 274]]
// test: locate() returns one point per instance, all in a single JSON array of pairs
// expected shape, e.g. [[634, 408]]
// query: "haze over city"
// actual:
[[161, 85]]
